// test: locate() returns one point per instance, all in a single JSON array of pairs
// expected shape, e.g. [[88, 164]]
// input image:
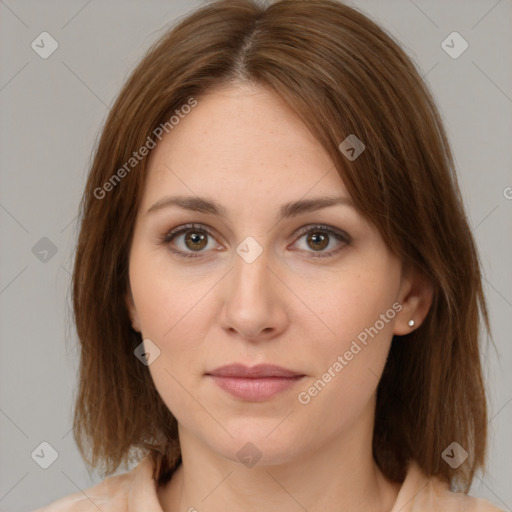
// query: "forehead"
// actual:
[[241, 138]]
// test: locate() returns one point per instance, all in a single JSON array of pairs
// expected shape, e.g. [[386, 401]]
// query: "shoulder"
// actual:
[[422, 494], [119, 493]]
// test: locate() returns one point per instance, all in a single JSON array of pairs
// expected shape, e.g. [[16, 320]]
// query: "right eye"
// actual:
[[188, 240]]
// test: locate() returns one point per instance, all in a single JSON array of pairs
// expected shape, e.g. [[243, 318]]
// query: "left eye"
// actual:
[[195, 239], [319, 238]]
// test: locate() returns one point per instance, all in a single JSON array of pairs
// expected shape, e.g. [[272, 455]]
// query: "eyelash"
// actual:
[[339, 235]]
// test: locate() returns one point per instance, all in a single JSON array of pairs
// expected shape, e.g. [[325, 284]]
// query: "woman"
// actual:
[[276, 291]]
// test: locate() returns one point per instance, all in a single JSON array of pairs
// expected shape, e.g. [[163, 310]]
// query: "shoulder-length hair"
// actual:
[[341, 74]]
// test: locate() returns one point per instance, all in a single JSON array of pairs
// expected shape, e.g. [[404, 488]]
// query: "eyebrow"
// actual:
[[209, 206]]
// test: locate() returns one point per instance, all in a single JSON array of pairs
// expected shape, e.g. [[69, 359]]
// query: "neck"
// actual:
[[340, 475]]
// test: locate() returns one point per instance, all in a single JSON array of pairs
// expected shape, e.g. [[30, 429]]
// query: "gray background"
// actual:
[[51, 114]]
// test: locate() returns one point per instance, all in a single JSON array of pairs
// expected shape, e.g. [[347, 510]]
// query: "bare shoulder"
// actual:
[[132, 490], [73, 503], [480, 505], [420, 493], [108, 496], [458, 501]]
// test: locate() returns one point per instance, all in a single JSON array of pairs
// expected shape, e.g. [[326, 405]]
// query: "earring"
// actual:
[[411, 323]]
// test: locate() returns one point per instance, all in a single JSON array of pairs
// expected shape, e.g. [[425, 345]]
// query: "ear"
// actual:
[[132, 310], [415, 296]]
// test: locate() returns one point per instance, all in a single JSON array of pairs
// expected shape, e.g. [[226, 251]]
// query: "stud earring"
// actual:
[[411, 323]]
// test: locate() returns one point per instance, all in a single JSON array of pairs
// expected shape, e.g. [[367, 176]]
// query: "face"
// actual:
[[314, 292]]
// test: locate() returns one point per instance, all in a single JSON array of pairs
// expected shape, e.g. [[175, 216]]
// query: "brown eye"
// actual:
[[189, 241], [318, 240], [196, 240], [322, 241]]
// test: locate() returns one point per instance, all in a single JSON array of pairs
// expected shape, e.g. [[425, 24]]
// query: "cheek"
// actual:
[[173, 313], [348, 366], [165, 300], [358, 311], [169, 311], [349, 303]]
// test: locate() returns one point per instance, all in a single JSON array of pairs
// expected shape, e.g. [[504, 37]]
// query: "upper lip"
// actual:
[[254, 372]]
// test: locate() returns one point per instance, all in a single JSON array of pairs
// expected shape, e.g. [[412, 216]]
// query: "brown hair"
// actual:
[[342, 74]]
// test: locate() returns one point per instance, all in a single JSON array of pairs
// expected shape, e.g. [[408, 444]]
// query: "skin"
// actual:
[[244, 148]]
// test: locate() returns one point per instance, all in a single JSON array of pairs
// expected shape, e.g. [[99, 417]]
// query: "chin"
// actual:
[[260, 442]]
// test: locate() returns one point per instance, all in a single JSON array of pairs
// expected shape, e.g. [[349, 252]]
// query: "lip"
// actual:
[[255, 383]]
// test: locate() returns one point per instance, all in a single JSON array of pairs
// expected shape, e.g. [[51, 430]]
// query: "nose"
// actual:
[[254, 306]]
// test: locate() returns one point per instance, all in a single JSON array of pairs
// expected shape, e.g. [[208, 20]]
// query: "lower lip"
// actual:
[[255, 389]]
